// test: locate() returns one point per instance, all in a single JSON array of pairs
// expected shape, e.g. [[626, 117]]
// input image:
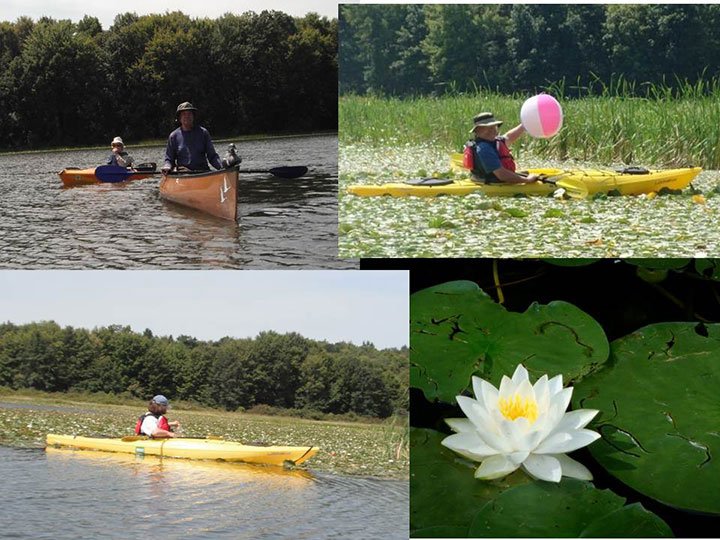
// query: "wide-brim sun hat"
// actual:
[[185, 106], [485, 119]]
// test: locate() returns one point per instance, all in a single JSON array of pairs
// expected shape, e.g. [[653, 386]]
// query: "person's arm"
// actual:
[[210, 152], [508, 177], [124, 161], [170, 155], [514, 134], [162, 433]]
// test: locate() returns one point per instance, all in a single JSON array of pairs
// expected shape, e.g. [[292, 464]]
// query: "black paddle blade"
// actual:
[[288, 172]]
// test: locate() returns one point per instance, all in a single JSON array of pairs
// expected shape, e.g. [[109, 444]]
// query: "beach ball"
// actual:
[[541, 116]]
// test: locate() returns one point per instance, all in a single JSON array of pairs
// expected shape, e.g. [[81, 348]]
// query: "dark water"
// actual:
[[282, 223], [65, 494]]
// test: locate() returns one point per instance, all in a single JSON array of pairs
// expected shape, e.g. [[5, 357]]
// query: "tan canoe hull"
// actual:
[[214, 193]]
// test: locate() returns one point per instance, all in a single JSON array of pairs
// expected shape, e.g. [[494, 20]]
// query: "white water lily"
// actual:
[[521, 425]]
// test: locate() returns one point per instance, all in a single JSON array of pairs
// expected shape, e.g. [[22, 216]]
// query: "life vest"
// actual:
[[506, 159], [162, 422]]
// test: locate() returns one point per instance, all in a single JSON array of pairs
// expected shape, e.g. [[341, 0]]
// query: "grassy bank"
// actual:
[[663, 129], [345, 448]]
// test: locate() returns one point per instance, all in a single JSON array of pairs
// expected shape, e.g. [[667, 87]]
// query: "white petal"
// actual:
[[562, 398], [566, 441], [542, 393], [518, 457], [525, 390], [490, 395], [477, 388], [507, 387], [576, 419], [555, 384], [474, 410], [460, 425], [572, 468], [469, 445], [520, 375], [497, 440], [495, 467], [543, 468]]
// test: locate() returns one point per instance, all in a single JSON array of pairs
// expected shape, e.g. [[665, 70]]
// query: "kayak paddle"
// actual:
[[280, 172], [112, 173], [575, 189]]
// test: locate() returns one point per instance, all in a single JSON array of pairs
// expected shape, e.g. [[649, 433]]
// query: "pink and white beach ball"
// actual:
[[541, 116]]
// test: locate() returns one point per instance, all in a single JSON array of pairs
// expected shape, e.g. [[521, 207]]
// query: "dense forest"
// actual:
[[279, 370], [68, 84], [577, 49]]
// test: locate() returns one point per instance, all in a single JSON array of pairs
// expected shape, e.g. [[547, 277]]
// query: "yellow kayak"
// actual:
[[578, 183], [212, 449]]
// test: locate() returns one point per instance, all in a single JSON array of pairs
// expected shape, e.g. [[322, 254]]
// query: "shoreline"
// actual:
[[150, 143]]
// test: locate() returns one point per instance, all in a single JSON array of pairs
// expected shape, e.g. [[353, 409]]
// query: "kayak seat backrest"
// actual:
[[146, 167], [633, 170], [428, 181]]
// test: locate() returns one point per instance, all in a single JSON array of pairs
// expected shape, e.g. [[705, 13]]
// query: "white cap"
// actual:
[[117, 140]]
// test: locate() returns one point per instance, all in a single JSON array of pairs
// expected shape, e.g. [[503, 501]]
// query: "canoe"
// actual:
[[72, 176], [212, 192], [578, 182], [211, 449]]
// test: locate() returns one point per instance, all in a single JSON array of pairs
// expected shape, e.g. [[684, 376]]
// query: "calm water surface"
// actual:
[[282, 223], [65, 494]]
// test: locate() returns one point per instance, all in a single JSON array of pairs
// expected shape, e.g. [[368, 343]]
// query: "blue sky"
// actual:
[[340, 305], [106, 10]]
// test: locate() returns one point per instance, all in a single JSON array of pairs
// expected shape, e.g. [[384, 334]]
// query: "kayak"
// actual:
[[211, 449], [213, 192], [577, 182], [73, 176]]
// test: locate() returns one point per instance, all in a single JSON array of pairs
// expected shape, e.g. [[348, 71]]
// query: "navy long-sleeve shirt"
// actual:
[[192, 149]]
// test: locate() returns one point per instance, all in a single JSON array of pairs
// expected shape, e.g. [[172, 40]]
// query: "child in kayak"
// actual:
[[119, 156], [489, 156], [153, 423]]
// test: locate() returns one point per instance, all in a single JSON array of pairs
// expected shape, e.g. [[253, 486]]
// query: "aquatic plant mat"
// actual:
[[379, 450], [673, 225]]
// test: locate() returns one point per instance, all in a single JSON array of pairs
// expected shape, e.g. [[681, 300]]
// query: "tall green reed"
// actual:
[[618, 122]]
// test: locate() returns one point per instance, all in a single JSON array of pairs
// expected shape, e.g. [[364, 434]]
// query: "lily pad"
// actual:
[[446, 500], [457, 330], [660, 413], [569, 509], [444, 493]]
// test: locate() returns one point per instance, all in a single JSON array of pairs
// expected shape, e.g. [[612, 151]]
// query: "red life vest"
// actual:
[[506, 159], [162, 422]]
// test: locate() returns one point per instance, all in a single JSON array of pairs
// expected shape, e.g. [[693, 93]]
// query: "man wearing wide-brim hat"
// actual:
[[189, 147], [492, 160], [119, 157]]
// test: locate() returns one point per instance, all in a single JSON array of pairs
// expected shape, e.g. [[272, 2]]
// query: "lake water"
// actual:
[[282, 223], [65, 494]]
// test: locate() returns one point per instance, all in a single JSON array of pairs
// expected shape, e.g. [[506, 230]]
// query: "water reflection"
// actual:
[[69, 494]]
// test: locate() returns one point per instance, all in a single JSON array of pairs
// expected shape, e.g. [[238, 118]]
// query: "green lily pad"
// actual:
[[444, 493], [660, 413], [708, 268], [569, 509], [457, 330], [659, 264]]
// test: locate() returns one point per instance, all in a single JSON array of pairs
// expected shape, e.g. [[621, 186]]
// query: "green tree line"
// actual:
[[64, 83], [577, 49], [279, 370]]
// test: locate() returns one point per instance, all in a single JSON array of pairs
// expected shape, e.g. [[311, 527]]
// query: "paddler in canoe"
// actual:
[[189, 147], [153, 423], [119, 157], [488, 155]]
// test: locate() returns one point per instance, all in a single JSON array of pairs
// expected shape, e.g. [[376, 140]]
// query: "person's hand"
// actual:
[[165, 170], [533, 177]]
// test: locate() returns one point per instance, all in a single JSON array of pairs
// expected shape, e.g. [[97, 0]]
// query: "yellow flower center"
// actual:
[[518, 407]]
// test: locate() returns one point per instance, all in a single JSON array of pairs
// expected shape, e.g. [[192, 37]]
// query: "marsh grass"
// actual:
[[379, 450], [666, 127]]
